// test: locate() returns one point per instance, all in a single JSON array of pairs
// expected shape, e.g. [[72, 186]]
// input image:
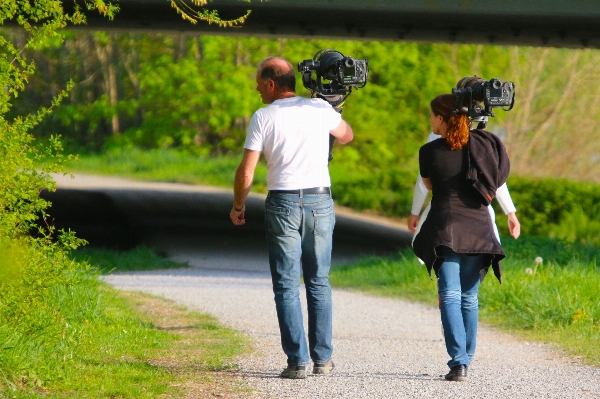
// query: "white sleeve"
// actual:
[[505, 200], [334, 119], [420, 190], [254, 134], [419, 196]]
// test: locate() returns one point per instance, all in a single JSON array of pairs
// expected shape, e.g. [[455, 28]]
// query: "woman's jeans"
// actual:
[[458, 286], [299, 234]]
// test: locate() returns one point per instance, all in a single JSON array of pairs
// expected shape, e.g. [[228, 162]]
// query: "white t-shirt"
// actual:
[[293, 133]]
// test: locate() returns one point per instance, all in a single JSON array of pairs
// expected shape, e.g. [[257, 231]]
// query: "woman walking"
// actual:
[[457, 241]]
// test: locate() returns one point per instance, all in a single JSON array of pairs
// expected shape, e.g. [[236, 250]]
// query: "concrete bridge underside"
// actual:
[[556, 23]]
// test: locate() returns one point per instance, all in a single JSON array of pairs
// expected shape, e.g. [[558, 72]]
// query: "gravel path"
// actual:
[[384, 348]]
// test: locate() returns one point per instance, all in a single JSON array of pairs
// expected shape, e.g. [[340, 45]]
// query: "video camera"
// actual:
[[343, 73], [478, 99]]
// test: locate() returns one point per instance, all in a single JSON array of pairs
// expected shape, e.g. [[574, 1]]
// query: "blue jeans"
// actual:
[[299, 235], [458, 286]]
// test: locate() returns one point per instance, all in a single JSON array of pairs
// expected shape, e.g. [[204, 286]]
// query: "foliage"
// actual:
[[556, 208], [33, 267], [198, 92], [211, 16], [55, 324], [555, 300]]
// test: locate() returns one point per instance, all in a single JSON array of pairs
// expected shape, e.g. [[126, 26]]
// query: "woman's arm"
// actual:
[[419, 196], [427, 182], [504, 199], [508, 207]]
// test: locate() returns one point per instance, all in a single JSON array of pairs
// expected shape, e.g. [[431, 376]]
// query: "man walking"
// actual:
[[293, 132]]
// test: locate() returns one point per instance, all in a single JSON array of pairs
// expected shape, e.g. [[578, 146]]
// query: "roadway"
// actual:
[[190, 223]]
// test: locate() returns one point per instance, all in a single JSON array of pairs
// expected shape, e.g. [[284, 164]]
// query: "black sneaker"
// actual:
[[323, 368], [294, 372], [457, 373]]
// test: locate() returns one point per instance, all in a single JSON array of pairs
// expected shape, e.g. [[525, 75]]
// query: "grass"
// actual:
[[124, 345], [555, 301], [166, 165], [137, 259]]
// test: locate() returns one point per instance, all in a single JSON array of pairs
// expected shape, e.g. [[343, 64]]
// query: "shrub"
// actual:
[[556, 208]]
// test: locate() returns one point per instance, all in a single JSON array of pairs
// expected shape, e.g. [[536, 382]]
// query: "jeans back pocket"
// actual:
[[276, 219], [324, 221]]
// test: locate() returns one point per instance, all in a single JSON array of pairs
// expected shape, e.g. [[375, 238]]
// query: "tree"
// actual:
[[195, 13], [20, 180]]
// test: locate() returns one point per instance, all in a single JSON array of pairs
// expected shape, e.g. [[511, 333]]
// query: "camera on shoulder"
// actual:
[[477, 97], [343, 73]]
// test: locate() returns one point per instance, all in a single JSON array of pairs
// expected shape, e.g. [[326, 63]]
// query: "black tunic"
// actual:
[[458, 219]]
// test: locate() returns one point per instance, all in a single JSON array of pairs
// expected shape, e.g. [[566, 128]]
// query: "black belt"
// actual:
[[303, 191]]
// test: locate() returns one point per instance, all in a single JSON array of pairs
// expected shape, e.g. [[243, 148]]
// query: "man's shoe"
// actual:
[[294, 372], [324, 368], [457, 373]]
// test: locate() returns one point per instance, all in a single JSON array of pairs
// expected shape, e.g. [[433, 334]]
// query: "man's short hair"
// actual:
[[283, 76]]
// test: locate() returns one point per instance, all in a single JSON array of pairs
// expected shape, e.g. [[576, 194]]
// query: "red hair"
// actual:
[[458, 124]]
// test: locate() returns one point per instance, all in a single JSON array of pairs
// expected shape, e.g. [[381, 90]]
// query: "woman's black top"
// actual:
[[458, 219]]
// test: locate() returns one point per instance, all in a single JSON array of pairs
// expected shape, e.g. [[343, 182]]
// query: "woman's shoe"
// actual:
[[457, 373]]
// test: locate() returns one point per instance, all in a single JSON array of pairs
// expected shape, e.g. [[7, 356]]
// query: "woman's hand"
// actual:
[[513, 225], [413, 221]]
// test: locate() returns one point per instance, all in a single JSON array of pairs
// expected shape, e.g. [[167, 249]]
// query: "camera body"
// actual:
[[343, 73], [482, 96]]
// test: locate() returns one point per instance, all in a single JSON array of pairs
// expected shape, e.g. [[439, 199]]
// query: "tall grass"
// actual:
[[80, 338], [555, 300]]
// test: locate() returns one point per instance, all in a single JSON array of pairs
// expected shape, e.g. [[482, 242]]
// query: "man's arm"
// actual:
[[244, 176], [343, 133]]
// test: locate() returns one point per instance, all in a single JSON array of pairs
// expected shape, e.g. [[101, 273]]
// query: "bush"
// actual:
[[556, 208]]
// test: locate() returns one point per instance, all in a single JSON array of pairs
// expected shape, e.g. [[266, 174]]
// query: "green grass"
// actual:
[[107, 345], [137, 259], [558, 302], [166, 165]]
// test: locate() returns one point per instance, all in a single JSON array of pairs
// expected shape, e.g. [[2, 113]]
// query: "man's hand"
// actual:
[[513, 225], [238, 217], [413, 221]]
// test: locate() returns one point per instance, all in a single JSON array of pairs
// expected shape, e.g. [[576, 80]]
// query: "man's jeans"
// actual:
[[458, 286], [299, 233]]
